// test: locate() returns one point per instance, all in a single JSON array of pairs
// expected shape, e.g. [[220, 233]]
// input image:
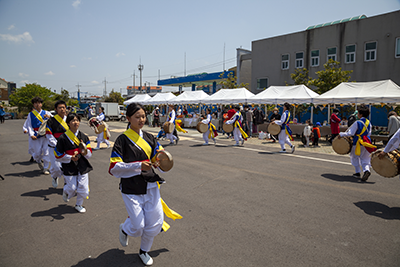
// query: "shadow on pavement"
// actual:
[[379, 210], [24, 163], [117, 257], [56, 213], [29, 174], [43, 193], [344, 178]]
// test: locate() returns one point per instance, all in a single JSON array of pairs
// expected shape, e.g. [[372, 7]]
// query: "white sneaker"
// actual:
[[65, 197], [205, 144], [293, 148], [282, 151], [46, 172], [123, 238], [215, 141], [40, 164], [146, 259], [80, 208], [54, 183], [236, 144], [242, 142], [108, 146], [96, 148]]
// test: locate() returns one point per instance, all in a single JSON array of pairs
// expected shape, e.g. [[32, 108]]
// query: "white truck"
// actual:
[[113, 111]]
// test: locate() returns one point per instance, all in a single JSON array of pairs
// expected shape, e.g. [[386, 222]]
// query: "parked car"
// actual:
[[8, 116]]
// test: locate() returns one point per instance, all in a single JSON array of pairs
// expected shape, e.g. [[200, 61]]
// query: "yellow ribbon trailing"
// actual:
[[134, 136], [212, 129], [360, 141], [244, 134], [178, 127]]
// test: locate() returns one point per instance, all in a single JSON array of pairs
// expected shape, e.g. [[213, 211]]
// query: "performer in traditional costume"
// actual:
[[362, 147], [30, 148], [39, 143], [102, 137], [212, 131], [131, 160], [393, 144], [55, 127], [238, 133], [285, 134], [171, 118], [74, 161]]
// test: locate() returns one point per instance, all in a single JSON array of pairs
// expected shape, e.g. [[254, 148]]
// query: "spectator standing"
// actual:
[[249, 121], [156, 116], [307, 133], [393, 124], [335, 125], [2, 113], [316, 134]]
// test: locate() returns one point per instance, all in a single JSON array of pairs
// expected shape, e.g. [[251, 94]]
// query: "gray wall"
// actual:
[[266, 53]]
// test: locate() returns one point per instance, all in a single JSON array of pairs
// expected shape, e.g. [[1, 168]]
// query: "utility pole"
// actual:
[[105, 87], [141, 67], [79, 94], [133, 81]]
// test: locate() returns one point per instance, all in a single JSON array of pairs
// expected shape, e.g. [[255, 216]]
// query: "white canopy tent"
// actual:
[[296, 94], [160, 98], [384, 91], [138, 99], [229, 96], [189, 97]]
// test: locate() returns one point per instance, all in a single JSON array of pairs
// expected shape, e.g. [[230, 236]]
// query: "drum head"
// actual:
[[341, 146], [99, 129], [165, 160], [227, 127], [202, 127], [386, 167], [274, 129]]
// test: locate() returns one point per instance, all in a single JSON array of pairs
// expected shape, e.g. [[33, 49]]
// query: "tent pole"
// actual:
[[312, 114], [329, 114], [370, 112]]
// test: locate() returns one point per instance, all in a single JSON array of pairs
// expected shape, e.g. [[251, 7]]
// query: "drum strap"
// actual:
[[62, 122], [363, 142], [135, 137]]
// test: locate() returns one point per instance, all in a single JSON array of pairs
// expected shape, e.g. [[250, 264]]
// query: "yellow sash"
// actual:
[[73, 137], [178, 127], [135, 137], [244, 134], [211, 129], [62, 122], [37, 115], [360, 141]]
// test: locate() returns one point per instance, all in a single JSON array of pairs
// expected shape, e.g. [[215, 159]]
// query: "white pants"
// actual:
[[364, 160], [79, 184], [30, 148], [101, 139], [170, 136], [205, 136], [40, 150], [145, 216], [237, 135], [307, 140], [55, 166], [284, 139]]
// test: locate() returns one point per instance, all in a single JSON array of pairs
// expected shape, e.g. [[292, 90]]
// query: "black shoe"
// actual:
[[357, 175], [176, 141], [366, 175], [31, 160]]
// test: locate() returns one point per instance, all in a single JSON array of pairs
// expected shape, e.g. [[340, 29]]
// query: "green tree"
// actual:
[[332, 76], [114, 97], [300, 76], [231, 82], [63, 96], [23, 96]]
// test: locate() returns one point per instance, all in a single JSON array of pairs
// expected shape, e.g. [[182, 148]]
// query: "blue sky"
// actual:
[[60, 43]]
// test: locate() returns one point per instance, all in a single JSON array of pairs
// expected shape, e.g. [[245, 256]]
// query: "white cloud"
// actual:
[[25, 37], [76, 3], [23, 75], [24, 81], [95, 82], [72, 66], [49, 73], [120, 54], [11, 27]]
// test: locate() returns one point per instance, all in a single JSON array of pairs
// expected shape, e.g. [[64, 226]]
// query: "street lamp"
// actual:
[[140, 68]]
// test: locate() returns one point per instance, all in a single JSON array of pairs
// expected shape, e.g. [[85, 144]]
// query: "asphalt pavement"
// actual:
[[241, 206]]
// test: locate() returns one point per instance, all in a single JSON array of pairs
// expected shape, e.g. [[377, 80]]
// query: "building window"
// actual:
[[285, 61], [397, 54], [299, 59], [350, 54], [262, 83], [332, 53], [370, 51], [315, 58]]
